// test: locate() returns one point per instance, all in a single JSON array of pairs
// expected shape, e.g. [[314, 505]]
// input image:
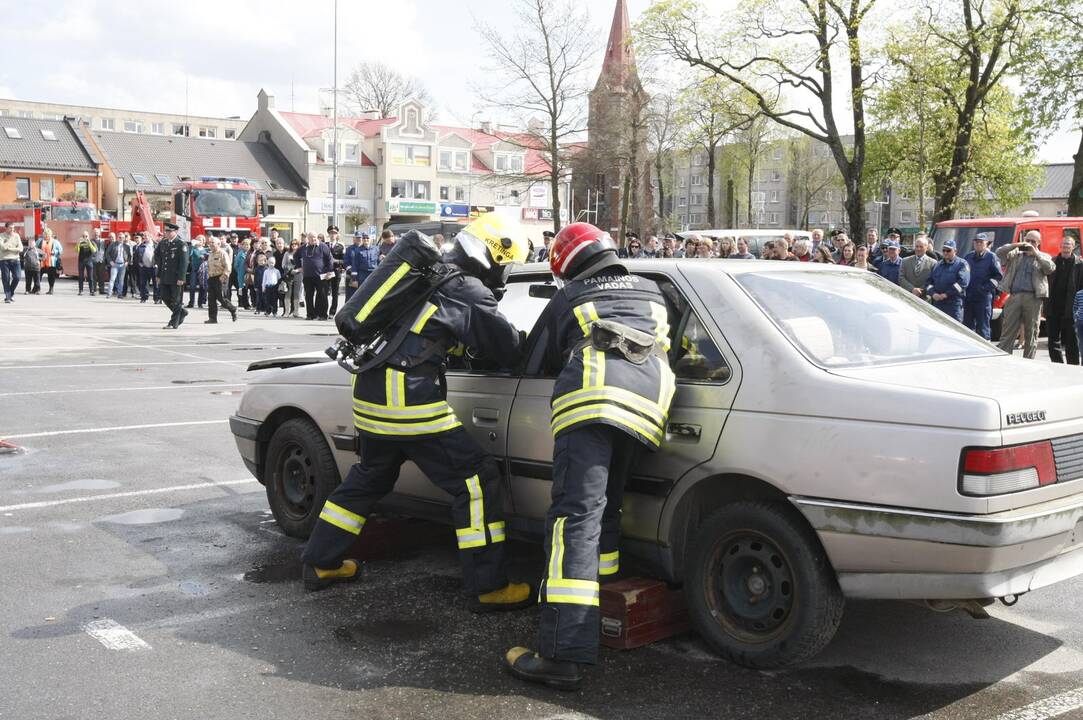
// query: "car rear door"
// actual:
[[707, 381]]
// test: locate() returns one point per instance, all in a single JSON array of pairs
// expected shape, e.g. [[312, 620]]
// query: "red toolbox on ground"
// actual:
[[639, 611]]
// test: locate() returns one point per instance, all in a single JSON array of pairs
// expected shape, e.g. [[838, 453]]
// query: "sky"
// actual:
[[143, 57]]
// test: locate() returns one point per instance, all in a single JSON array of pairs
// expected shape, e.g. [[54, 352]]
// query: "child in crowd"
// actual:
[[271, 278], [260, 270]]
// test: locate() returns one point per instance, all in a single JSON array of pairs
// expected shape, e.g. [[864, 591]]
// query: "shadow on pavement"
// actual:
[[402, 635]]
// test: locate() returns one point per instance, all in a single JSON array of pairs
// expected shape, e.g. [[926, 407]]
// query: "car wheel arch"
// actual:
[[700, 500], [267, 430]]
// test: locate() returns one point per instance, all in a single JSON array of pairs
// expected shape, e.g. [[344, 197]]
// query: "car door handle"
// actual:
[[485, 417], [684, 430]]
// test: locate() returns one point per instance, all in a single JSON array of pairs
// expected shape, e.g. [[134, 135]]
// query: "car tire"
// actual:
[[759, 587], [301, 473]]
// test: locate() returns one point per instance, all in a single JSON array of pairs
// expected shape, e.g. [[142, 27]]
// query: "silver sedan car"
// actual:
[[831, 437]]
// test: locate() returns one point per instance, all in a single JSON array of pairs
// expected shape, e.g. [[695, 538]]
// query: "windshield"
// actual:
[[852, 319], [964, 237], [228, 203], [68, 212]]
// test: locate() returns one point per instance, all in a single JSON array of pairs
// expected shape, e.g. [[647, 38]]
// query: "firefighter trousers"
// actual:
[[454, 462], [590, 465]]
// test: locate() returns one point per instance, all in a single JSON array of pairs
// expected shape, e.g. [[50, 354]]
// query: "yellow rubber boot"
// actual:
[[510, 597], [319, 578]]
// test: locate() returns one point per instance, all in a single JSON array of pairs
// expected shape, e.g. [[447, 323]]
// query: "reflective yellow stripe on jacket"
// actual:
[[381, 292], [396, 417]]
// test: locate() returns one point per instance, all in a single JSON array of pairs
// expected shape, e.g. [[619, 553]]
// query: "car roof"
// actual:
[[1005, 221], [716, 266]]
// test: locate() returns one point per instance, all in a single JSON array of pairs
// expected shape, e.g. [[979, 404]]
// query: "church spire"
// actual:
[[619, 64]]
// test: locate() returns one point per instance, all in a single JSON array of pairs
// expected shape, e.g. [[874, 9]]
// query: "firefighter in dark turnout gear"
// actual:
[[401, 413], [608, 336]]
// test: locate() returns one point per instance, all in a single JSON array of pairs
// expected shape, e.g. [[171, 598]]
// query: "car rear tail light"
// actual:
[[996, 471]]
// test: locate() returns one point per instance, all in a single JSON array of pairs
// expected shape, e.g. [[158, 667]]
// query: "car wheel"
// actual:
[[301, 473], [759, 587]]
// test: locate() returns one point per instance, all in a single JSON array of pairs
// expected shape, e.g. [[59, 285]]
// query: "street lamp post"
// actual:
[[334, 121]]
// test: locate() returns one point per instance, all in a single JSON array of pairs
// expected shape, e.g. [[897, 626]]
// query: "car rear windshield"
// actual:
[[852, 319], [964, 237]]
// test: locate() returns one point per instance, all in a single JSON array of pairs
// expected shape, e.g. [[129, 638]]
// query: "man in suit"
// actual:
[[915, 271]]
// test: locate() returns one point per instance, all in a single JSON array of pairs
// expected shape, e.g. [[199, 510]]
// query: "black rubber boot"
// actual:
[[527, 665]]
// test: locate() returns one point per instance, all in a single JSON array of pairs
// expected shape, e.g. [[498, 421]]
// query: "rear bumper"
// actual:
[[885, 552], [246, 435]]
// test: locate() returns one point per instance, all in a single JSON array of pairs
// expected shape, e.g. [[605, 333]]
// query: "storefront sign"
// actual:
[[543, 214], [324, 206], [539, 198], [454, 210], [399, 206]]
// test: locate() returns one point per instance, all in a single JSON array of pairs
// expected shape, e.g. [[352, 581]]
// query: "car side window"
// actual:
[[693, 355], [520, 309]]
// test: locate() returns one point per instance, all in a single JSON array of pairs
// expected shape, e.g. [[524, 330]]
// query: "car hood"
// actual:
[[1029, 392]]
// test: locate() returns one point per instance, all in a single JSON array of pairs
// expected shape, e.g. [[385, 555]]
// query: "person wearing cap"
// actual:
[[948, 282], [985, 277], [171, 259], [1026, 277], [359, 261], [891, 264], [338, 251], [543, 254]]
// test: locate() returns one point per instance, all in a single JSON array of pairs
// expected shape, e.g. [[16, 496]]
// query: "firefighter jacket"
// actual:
[[171, 257], [595, 386], [406, 397]]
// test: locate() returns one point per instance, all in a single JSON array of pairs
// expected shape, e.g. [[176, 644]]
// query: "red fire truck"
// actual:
[[68, 220], [218, 206]]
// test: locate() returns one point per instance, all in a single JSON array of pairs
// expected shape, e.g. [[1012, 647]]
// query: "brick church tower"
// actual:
[[616, 166]]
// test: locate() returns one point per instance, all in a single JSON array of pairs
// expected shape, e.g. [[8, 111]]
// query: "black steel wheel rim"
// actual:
[[297, 480], [750, 586]]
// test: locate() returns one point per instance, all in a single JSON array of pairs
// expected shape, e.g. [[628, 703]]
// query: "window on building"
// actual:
[[774, 196], [682, 201], [349, 152], [501, 196], [411, 126], [48, 135], [157, 128], [139, 179], [697, 179], [181, 129], [13, 133], [133, 126], [906, 216], [330, 186], [777, 155], [445, 192], [419, 155], [697, 198], [108, 124], [230, 134], [772, 218], [460, 194], [501, 163], [208, 132], [699, 159], [682, 181], [462, 161], [776, 176], [46, 189], [420, 189], [351, 188], [412, 189], [695, 218], [82, 189], [164, 180], [830, 196], [22, 188], [517, 163], [445, 161]]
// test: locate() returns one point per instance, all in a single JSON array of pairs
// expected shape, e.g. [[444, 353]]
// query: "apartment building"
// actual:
[[128, 121]]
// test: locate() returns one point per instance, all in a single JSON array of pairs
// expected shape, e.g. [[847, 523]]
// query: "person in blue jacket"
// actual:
[[360, 260], [890, 263], [985, 277], [948, 282]]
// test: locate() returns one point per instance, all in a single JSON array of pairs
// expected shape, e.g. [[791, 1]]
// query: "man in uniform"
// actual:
[[401, 413], [171, 259], [338, 250], [985, 277], [607, 335], [948, 282]]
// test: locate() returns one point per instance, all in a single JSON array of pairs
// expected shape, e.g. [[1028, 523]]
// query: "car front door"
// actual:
[[707, 380]]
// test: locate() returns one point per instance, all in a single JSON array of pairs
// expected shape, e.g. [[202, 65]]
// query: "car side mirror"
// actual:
[[545, 291]]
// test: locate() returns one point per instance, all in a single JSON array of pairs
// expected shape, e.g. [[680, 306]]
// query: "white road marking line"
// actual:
[[1051, 707], [114, 636], [110, 429], [130, 493], [123, 389], [154, 347], [130, 364]]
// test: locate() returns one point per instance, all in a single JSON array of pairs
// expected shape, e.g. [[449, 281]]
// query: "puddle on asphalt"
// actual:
[[258, 347], [149, 516], [194, 382], [14, 530], [88, 484], [193, 588], [392, 629], [274, 573]]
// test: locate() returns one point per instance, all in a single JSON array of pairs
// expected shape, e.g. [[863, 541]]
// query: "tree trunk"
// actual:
[[624, 209], [710, 187], [855, 208], [751, 176], [731, 213], [1075, 196], [554, 172], [633, 175], [661, 188]]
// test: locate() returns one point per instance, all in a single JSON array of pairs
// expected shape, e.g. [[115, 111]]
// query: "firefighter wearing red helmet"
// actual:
[[609, 339]]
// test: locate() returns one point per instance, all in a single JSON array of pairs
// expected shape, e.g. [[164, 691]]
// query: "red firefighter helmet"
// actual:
[[576, 247]]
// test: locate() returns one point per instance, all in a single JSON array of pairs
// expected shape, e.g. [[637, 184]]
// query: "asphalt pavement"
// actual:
[[144, 576]]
